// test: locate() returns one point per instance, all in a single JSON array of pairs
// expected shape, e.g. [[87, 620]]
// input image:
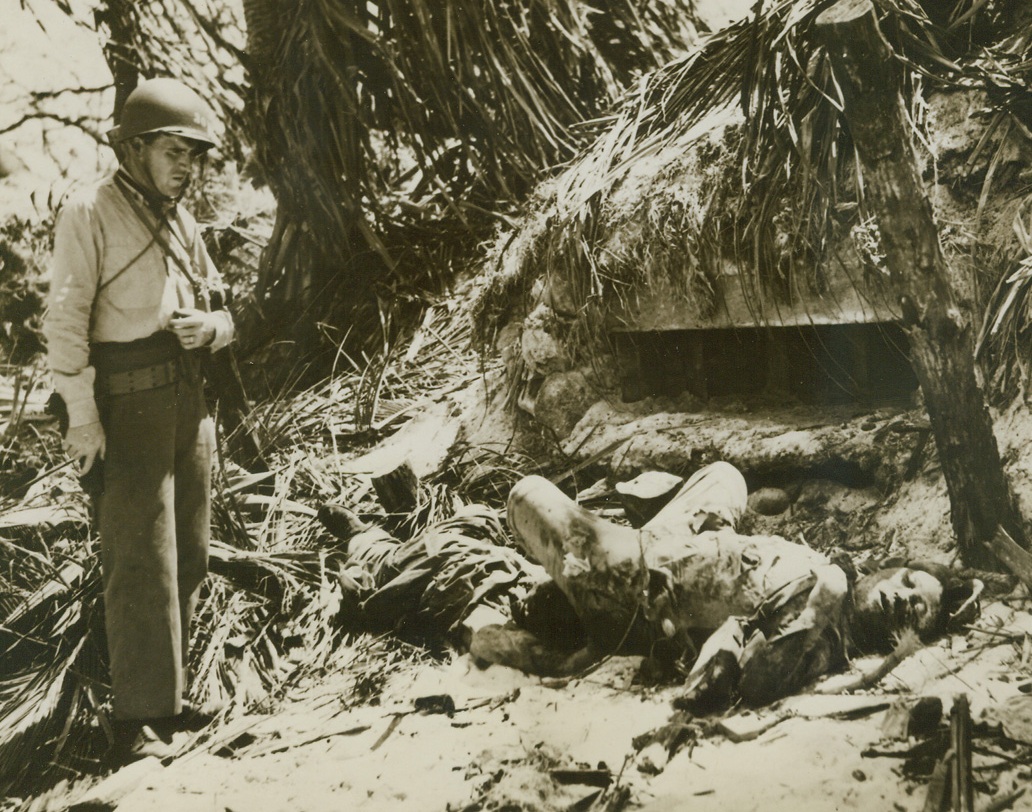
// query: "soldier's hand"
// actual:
[[194, 328], [84, 444]]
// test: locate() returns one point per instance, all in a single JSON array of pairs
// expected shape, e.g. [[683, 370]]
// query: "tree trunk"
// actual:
[[264, 23], [119, 51], [940, 334]]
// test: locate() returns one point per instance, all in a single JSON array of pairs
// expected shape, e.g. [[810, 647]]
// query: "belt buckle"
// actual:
[[141, 379]]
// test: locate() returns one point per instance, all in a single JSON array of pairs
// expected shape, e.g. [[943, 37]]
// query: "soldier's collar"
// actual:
[[162, 207]]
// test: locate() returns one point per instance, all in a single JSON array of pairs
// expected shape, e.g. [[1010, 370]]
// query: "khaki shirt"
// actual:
[[111, 281]]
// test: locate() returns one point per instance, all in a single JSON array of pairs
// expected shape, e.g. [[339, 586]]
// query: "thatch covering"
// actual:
[[726, 191]]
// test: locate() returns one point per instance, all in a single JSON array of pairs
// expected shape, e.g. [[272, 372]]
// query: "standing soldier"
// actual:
[[130, 317]]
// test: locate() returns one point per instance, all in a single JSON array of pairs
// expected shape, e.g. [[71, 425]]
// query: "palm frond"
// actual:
[[273, 612], [1004, 340], [53, 673], [396, 133], [366, 398]]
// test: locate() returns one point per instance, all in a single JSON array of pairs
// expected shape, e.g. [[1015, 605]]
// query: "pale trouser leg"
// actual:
[[558, 533], [596, 564], [714, 496], [602, 567]]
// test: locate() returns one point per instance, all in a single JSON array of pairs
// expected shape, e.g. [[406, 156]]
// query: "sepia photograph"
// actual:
[[515, 405]]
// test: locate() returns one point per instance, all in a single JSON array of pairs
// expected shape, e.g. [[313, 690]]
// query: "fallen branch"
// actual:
[[1011, 555], [281, 746]]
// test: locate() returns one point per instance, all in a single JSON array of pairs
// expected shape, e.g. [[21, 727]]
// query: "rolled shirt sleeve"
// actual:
[[73, 288], [224, 330]]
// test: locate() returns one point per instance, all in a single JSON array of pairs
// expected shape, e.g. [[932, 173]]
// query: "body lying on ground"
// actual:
[[731, 614], [424, 588], [756, 616]]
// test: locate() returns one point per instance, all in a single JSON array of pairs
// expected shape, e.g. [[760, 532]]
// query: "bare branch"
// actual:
[[82, 123], [41, 95]]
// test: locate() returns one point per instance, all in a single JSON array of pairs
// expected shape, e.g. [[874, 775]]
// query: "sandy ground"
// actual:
[[522, 744], [510, 738]]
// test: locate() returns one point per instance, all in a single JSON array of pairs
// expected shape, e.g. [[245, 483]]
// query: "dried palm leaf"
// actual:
[[789, 187], [395, 133], [52, 674]]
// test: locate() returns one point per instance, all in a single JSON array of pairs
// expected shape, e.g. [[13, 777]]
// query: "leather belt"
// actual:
[[137, 380]]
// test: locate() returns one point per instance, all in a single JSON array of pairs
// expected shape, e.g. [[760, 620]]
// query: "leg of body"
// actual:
[[715, 496], [598, 565], [604, 568], [554, 529]]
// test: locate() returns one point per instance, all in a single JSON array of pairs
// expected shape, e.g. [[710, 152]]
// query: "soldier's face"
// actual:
[[166, 163]]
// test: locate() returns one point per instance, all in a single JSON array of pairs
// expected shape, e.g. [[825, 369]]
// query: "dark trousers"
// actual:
[[154, 517]]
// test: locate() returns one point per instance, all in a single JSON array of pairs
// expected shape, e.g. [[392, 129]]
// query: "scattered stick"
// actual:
[[390, 729], [961, 783], [1007, 801], [282, 746], [1012, 555], [935, 800], [1007, 637], [952, 784]]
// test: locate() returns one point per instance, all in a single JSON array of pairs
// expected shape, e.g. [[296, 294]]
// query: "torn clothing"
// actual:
[[792, 639], [779, 606], [113, 282]]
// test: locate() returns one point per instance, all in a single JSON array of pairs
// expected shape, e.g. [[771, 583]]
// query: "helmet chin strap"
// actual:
[[142, 175]]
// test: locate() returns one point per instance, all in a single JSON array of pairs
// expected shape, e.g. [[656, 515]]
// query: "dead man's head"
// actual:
[[925, 598]]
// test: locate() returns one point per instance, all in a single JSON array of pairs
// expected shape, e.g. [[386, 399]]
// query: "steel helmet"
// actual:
[[165, 106]]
